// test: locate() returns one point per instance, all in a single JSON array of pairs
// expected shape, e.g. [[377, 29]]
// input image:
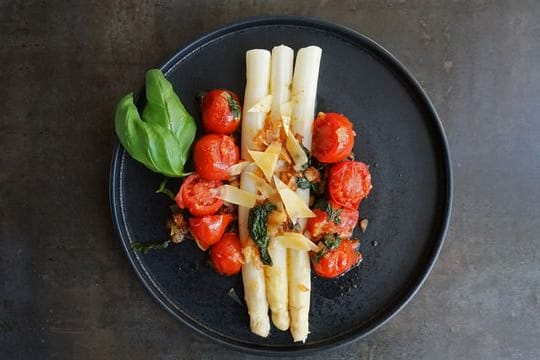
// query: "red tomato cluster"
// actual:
[[214, 153], [348, 183]]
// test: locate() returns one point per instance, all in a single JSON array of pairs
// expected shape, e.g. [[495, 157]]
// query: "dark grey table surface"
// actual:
[[68, 292]]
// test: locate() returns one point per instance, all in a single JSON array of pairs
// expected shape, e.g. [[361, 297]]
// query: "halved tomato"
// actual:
[[213, 154], [198, 196], [208, 230]]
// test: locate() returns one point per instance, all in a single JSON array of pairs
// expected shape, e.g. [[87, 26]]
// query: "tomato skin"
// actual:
[[333, 137], [221, 112], [349, 182], [319, 225], [338, 261], [226, 255], [213, 154], [209, 229], [195, 194]]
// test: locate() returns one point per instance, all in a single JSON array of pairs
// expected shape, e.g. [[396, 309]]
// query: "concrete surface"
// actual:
[[67, 291]]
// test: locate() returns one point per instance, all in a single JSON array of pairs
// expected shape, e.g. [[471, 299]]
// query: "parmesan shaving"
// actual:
[[297, 153], [267, 160], [294, 205], [273, 148], [264, 188], [237, 169], [237, 196], [292, 240]]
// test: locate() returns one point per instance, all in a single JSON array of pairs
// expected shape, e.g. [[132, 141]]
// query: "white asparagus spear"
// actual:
[[304, 92], [276, 275], [257, 87], [252, 269], [280, 80], [258, 77]]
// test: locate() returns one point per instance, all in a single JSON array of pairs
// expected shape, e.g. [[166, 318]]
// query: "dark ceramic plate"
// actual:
[[399, 135]]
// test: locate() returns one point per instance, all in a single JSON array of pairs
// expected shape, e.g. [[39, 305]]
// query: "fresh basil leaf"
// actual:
[[161, 140], [164, 108], [258, 229], [131, 131], [161, 151]]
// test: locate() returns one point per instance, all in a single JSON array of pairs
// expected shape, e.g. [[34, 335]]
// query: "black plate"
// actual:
[[399, 135]]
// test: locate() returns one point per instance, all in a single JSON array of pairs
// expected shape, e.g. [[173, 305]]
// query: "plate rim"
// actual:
[[345, 33]]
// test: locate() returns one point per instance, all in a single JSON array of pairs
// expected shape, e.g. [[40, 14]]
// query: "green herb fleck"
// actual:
[[331, 242], [333, 214], [234, 106], [308, 154], [303, 183], [147, 246], [258, 229], [163, 189]]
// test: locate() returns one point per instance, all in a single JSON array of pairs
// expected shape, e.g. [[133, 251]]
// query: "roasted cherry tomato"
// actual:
[[198, 196], [221, 112], [337, 261], [209, 229], [342, 224], [226, 255], [348, 183], [213, 154], [333, 137]]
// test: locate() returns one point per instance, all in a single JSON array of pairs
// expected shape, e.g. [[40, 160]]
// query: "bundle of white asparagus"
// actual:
[[278, 115]]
